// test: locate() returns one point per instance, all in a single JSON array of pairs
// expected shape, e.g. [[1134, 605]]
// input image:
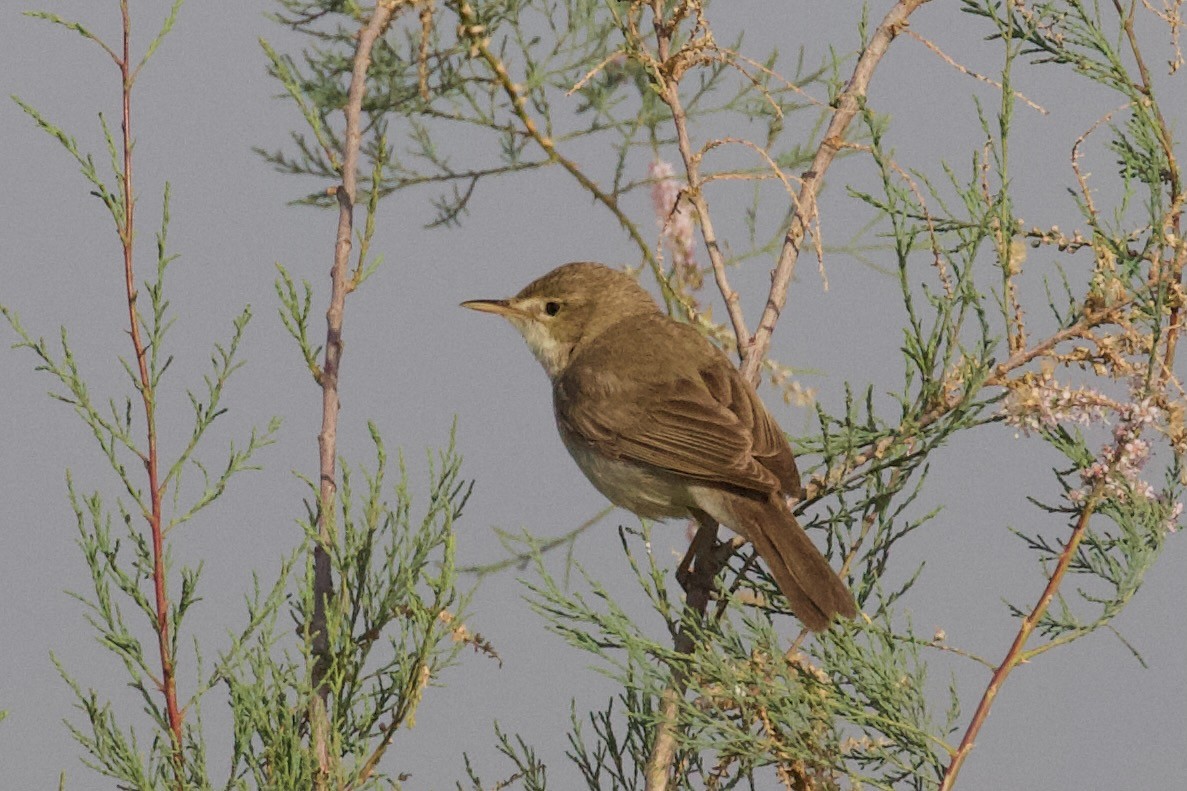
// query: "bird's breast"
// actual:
[[646, 491]]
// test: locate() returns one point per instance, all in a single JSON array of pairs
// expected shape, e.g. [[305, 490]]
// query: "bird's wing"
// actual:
[[705, 423], [768, 444]]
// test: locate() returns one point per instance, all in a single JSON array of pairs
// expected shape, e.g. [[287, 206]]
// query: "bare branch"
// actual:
[[848, 104]]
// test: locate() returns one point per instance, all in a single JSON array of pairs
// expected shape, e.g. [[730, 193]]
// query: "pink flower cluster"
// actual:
[[1119, 465], [1125, 457], [1172, 519], [1048, 404], [674, 217]]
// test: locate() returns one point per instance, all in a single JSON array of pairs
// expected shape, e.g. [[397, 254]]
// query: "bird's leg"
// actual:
[[700, 552]]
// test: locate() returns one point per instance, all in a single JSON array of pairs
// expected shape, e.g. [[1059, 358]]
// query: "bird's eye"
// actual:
[[552, 308]]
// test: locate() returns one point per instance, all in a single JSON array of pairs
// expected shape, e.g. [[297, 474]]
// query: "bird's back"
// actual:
[[677, 402]]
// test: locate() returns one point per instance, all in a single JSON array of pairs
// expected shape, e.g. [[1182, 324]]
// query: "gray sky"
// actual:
[[1086, 716]]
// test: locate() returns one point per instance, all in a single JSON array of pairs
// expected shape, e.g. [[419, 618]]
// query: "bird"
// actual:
[[664, 425]]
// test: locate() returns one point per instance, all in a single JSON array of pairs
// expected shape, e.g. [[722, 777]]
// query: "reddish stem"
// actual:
[[1015, 655], [168, 681]]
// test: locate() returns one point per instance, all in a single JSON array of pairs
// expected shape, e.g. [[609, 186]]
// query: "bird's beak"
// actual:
[[500, 307]]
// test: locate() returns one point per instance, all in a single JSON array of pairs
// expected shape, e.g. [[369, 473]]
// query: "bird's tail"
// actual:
[[814, 591]]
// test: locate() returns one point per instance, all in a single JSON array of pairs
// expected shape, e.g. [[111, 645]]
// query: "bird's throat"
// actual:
[[553, 354]]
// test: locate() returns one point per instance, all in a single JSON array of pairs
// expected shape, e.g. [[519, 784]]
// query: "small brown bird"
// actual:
[[663, 424]]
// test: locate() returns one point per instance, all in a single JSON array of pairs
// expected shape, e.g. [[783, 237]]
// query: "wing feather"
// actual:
[[698, 419]]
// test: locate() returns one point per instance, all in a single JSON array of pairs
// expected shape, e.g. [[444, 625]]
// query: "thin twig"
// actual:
[[936, 251], [670, 93], [340, 283], [480, 46], [1014, 656], [705, 560], [1081, 178], [1173, 177], [699, 583], [848, 104], [168, 680], [944, 56]]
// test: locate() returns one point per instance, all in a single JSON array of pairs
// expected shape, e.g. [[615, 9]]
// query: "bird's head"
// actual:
[[567, 307]]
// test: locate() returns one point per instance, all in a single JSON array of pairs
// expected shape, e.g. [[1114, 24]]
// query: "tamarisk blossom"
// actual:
[[674, 219], [1125, 456], [1172, 519], [1032, 407]]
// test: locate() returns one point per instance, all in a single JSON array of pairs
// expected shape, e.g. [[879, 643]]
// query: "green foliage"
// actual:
[[122, 561], [395, 625], [397, 618], [566, 72], [751, 702], [294, 314]]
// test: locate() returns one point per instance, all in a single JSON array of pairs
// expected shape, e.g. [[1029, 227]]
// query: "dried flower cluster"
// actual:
[[674, 218]]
